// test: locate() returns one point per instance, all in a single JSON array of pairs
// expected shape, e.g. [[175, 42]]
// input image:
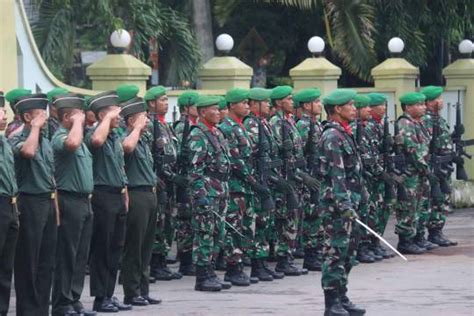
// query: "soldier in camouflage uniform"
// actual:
[[439, 210], [341, 191], [209, 190], [242, 185], [288, 210], [415, 143], [184, 231], [223, 110], [164, 151], [265, 157], [310, 131]]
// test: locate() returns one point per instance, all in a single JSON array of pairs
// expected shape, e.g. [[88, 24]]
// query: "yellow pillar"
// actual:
[[396, 73], [461, 73], [8, 58], [316, 72], [117, 69], [225, 73]]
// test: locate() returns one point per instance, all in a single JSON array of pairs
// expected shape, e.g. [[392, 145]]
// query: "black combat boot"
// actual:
[[333, 305], [421, 242], [346, 303], [377, 248], [363, 254], [373, 255], [258, 271], [206, 282], [276, 275], [436, 236], [246, 261], [160, 271], [299, 253], [220, 262], [186, 266], [408, 247], [236, 276], [311, 260], [225, 285], [287, 267]]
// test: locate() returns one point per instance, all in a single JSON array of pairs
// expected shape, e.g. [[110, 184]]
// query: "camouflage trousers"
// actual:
[[286, 220], [240, 234], [407, 212], [369, 209], [383, 207], [313, 230], [208, 230], [184, 229], [161, 245], [424, 206], [433, 215], [262, 230]]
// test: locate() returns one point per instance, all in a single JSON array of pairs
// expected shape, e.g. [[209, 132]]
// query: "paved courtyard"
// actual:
[[438, 283]]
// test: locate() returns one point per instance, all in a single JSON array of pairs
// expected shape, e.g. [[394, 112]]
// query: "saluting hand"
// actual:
[[78, 117], [113, 114], [39, 120], [140, 122]]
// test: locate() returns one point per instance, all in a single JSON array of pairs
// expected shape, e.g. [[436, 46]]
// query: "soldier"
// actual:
[[444, 145], [209, 190], [341, 191], [109, 202], [141, 218], [73, 173], [265, 157], [34, 261], [288, 209], [312, 233], [415, 144], [15, 126], [53, 120], [242, 185], [223, 110], [184, 231], [164, 153], [8, 212]]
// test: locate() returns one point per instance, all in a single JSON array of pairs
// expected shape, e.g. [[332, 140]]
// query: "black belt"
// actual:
[[300, 163], [49, 195], [356, 187], [275, 163], [217, 175], [76, 194], [166, 159], [109, 189], [143, 188], [8, 199]]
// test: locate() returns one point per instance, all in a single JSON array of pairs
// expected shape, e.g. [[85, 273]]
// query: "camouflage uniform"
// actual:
[[341, 192], [241, 213], [209, 188], [415, 146]]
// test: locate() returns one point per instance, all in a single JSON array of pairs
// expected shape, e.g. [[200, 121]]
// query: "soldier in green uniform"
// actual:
[[415, 143], [444, 145], [16, 125], [34, 261], [339, 166], [184, 232], [164, 151], [141, 218], [73, 173], [53, 120], [223, 110], [289, 205], [8, 213], [209, 190], [109, 201], [312, 232], [242, 185], [265, 157]]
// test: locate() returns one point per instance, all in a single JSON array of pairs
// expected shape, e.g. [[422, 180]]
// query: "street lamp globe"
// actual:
[[316, 45], [465, 47], [120, 39], [396, 45], [224, 43]]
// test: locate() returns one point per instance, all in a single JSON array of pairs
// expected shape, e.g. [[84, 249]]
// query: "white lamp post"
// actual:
[[396, 46], [224, 43], [120, 39], [465, 48], [316, 46]]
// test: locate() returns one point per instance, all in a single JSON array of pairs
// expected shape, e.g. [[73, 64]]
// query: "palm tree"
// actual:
[[62, 24]]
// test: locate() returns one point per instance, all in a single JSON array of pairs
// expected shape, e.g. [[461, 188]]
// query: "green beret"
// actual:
[[32, 102], [307, 95], [68, 101], [207, 100], [222, 103], [236, 95], [377, 99], [432, 92], [281, 92], [259, 94], [132, 106], [56, 91], [339, 97], [187, 98], [87, 101], [12, 96], [411, 98], [126, 92], [296, 102], [103, 100], [361, 101], [154, 93], [2, 100]]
